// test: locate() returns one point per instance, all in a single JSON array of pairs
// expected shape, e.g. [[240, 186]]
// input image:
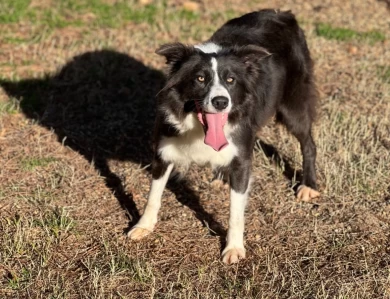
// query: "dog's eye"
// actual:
[[200, 78], [230, 80]]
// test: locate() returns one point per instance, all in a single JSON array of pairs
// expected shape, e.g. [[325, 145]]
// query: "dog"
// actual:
[[218, 95]]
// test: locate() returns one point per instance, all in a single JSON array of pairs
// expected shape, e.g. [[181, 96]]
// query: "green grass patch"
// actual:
[[12, 11], [345, 34], [31, 163], [57, 19], [17, 280], [95, 13], [15, 40], [9, 107], [187, 15], [69, 13], [223, 16], [56, 222], [122, 11], [138, 269]]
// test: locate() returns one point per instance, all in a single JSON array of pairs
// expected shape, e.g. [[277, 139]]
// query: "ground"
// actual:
[[77, 86]]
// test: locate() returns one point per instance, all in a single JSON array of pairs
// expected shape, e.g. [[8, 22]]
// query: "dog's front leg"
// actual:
[[239, 188], [160, 172]]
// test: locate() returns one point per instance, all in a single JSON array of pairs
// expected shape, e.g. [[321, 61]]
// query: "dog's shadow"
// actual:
[[101, 104], [289, 172]]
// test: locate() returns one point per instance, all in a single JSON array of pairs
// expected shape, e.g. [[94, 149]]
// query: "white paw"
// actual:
[[233, 255], [306, 193], [138, 233]]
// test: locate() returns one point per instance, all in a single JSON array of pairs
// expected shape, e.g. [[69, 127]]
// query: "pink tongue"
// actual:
[[215, 136]]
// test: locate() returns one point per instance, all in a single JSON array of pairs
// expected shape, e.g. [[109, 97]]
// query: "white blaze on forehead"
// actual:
[[217, 89], [209, 48]]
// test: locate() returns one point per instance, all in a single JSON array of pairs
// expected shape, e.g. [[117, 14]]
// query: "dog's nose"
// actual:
[[220, 103]]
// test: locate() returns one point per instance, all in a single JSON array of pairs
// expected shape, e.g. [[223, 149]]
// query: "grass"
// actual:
[[30, 164], [73, 13], [17, 281], [9, 107], [78, 79], [13, 11], [384, 73], [344, 34], [56, 222], [186, 15]]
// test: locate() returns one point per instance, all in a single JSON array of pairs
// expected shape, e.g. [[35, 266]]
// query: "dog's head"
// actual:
[[210, 80]]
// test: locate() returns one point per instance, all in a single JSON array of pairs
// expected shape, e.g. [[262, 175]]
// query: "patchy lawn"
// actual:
[[77, 86]]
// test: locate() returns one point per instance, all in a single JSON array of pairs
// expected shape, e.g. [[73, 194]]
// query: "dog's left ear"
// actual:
[[251, 54], [175, 52]]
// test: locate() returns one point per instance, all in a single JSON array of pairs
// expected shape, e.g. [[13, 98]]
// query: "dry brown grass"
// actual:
[[74, 155]]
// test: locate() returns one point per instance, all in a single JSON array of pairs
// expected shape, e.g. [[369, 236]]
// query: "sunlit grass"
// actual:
[[345, 34]]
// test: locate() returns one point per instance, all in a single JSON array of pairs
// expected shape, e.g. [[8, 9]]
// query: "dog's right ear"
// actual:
[[175, 52], [252, 54]]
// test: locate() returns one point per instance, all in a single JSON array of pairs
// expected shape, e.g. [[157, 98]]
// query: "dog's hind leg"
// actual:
[[160, 172], [308, 188], [298, 121]]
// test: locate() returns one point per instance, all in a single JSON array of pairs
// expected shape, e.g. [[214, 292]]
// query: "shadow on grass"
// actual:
[[290, 173], [387, 196], [101, 104]]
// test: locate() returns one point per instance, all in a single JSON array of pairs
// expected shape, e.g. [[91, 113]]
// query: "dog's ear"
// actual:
[[175, 52], [251, 55]]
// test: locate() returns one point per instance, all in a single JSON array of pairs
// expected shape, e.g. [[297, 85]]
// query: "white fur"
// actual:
[[235, 235], [189, 123], [149, 218], [209, 48], [189, 146], [217, 89]]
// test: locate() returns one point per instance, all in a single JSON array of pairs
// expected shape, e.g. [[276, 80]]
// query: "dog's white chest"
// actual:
[[189, 147]]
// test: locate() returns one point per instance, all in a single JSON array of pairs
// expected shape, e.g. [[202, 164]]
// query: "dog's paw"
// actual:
[[306, 193], [233, 255], [138, 233]]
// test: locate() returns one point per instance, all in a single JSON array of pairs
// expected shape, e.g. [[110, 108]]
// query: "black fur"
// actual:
[[267, 54]]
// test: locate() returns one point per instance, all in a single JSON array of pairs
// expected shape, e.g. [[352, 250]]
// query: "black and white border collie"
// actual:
[[218, 95]]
